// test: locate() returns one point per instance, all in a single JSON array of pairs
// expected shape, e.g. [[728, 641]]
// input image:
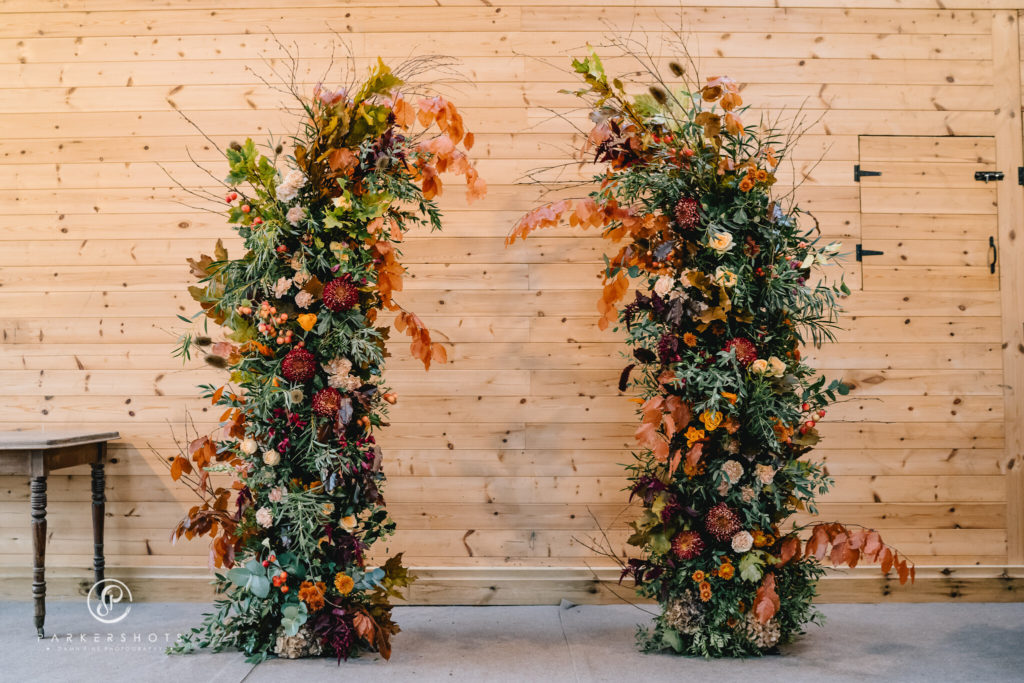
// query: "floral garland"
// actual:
[[727, 406], [306, 358]]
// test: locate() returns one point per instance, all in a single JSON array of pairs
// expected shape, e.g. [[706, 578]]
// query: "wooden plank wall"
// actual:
[[505, 458]]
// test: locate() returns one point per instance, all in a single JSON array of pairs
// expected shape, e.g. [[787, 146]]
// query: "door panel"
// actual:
[[923, 352]]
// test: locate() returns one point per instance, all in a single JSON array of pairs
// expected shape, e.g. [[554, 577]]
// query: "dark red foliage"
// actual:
[[334, 629]]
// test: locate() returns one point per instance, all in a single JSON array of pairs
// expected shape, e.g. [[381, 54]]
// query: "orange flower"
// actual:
[[761, 539], [746, 185], [729, 396], [711, 420], [312, 594], [761, 175], [693, 435], [690, 339], [698, 576], [705, 591], [306, 321], [344, 583], [727, 571]]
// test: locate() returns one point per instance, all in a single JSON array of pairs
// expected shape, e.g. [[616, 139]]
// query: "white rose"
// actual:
[[759, 366], [249, 446], [742, 542], [664, 285], [778, 368], [271, 458], [720, 242]]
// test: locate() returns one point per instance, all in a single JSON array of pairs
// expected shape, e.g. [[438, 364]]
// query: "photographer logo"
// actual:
[[105, 600]]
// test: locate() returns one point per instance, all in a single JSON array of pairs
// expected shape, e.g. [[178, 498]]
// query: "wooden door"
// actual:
[[922, 350]]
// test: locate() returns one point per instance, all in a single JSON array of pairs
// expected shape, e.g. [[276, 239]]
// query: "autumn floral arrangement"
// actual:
[[727, 294], [302, 503]]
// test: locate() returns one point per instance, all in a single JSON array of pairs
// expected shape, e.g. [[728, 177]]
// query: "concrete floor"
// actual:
[[932, 642]]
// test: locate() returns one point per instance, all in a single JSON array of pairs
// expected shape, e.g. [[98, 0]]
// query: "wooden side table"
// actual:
[[36, 453]]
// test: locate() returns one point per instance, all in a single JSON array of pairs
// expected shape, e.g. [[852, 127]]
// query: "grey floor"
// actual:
[[934, 642]]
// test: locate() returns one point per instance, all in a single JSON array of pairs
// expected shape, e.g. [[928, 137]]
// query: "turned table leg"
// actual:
[[98, 499], [38, 503]]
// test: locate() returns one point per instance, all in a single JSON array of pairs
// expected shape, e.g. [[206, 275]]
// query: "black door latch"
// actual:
[[858, 173], [986, 176], [862, 252]]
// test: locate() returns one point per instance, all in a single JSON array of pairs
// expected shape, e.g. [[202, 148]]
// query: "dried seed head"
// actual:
[[235, 146], [658, 94], [278, 149], [217, 361], [675, 68], [202, 340]]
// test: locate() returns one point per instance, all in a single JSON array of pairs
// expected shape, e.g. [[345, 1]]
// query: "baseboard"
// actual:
[[542, 585]]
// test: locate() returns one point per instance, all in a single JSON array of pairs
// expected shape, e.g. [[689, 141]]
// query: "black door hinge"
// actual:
[[986, 176], [1020, 175], [862, 252], [858, 174]]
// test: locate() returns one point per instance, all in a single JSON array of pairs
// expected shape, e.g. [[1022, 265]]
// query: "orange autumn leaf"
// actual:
[[766, 601]]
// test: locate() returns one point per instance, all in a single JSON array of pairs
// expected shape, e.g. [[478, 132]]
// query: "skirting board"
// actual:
[[542, 585]]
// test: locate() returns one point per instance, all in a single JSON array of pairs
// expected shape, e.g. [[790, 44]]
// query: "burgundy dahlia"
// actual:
[[687, 545], [746, 352], [326, 402], [722, 522], [688, 213], [299, 365], [340, 294]]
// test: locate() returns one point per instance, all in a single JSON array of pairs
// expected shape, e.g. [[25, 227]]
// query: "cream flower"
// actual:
[[664, 285], [725, 277], [344, 382], [289, 187], [764, 473], [282, 286], [300, 278], [271, 458], [295, 214], [720, 242], [303, 299], [776, 366], [248, 446], [747, 493], [338, 366], [276, 494], [733, 470], [759, 366], [296, 395], [264, 518], [348, 523], [742, 542]]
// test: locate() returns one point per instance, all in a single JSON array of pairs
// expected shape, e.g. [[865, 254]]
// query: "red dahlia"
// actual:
[[722, 522], [326, 402], [688, 213], [746, 352], [687, 545], [340, 294], [299, 365]]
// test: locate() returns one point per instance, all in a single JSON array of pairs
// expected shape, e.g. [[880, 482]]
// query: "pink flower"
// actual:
[[303, 299], [295, 214], [264, 518], [276, 494]]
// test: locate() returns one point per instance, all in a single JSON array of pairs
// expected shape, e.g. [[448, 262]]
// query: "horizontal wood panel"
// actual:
[[512, 455]]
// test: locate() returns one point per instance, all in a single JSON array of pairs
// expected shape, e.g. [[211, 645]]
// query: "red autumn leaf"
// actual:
[[766, 601], [788, 549]]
